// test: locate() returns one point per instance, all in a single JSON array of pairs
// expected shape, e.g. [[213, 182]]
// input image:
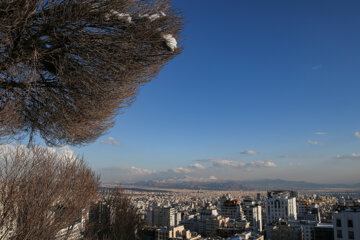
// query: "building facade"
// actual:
[[163, 216], [280, 205], [253, 213], [347, 224], [232, 209]]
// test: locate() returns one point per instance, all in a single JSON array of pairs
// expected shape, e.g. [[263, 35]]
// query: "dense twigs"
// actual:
[[42, 192], [68, 66], [114, 218]]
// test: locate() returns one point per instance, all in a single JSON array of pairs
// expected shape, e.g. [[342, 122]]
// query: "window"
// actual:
[[339, 234], [277, 204], [350, 223], [338, 222], [351, 235]]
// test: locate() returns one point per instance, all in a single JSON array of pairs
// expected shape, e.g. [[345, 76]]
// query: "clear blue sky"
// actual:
[[254, 75]]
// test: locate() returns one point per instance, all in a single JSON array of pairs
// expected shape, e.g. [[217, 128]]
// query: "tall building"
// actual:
[[208, 212], [347, 224], [177, 218], [163, 216], [232, 209], [252, 212], [280, 205]]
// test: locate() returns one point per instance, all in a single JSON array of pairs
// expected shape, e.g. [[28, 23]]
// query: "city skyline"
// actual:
[[262, 90]]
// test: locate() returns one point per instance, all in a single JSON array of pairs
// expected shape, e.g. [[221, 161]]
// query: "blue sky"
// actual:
[[254, 75]]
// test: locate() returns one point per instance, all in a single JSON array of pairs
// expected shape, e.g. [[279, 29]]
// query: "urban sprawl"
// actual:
[[272, 215]]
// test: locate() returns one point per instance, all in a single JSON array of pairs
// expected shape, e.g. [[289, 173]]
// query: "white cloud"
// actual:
[[222, 162], [140, 170], [320, 133], [134, 174], [315, 143], [353, 156], [111, 141], [250, 152], [357, 134], [196, 166], [66, 151], [234, 164], [125, 174], [63, 152], [262, 164], [181, 170], [193, 172]]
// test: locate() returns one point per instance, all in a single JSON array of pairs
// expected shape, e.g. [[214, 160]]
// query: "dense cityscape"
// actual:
[[272, 215], [250, 130]]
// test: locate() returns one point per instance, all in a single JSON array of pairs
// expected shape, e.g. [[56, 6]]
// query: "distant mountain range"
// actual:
[[264, 184]]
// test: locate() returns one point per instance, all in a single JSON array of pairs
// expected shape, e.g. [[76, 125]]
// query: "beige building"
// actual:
[[178, 232], [213, 224], [232, 209]]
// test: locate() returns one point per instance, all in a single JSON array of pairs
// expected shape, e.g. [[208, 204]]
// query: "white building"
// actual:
[[280, 205], [252, 212], [163, 216], [206, 213], [347, 224], [308, 211], [177, 218]]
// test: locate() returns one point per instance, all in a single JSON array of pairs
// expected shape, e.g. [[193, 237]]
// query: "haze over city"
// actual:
[[262, 90]]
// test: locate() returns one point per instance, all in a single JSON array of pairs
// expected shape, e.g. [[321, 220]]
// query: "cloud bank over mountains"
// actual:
[[200, 170], [352, 156], [236, 164]]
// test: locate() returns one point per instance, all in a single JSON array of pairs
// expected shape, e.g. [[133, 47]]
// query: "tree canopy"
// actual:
[[68, 67]]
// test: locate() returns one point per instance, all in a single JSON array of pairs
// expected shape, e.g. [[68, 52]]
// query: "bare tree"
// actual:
[[114, 218], [42, 192], [68, 66]]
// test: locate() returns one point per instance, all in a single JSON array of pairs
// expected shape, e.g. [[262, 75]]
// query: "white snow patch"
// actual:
[[170, 41], [155, 16], [121, 16]]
